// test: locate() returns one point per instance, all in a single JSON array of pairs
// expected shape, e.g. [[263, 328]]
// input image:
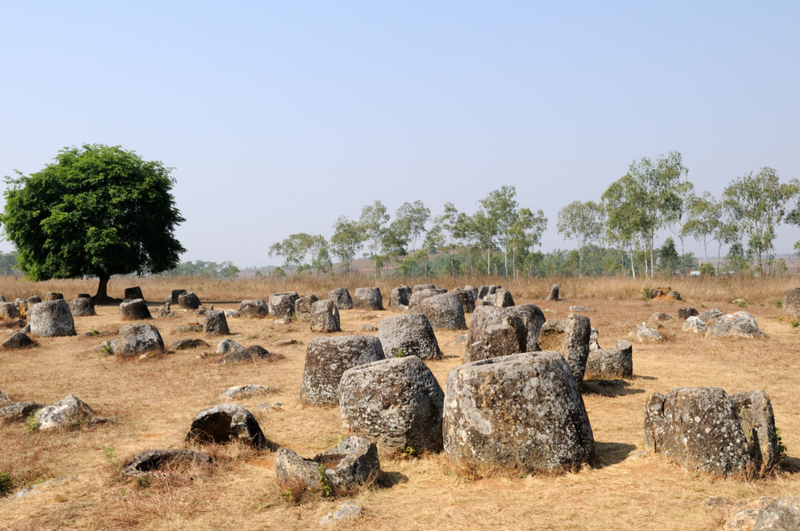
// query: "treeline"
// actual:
[[204, 269], [615, 235]]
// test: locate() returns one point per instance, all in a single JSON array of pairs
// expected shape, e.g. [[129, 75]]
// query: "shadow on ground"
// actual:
[[609, 388], [609, 453]]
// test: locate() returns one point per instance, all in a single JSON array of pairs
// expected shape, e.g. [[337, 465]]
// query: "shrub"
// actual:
[[31, 424], [6, 484]]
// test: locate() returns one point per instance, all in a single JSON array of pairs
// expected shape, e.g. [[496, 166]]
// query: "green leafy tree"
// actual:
[[373, 222], [300, 248], [524, 235], [409, 222], [96, 211], [493, 221], [347, 240], [758, 203], [582, 222], [668, 256]]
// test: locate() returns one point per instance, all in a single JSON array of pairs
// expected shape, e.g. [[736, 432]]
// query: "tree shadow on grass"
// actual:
[[610, 388], [609, 453]]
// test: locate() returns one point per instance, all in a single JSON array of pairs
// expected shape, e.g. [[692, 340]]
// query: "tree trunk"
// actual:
[[102, 290]]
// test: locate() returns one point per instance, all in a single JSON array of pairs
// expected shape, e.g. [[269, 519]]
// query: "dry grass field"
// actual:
[[150, 403]]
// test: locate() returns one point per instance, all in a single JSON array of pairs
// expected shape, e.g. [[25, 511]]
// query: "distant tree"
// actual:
[[409, 222], [493, 221], [347, 240], [96, 211], [669, 256], [705, 216], [758, 203], [524, 235], [298, 249], [8, 264], [373, 224], [582, 222]]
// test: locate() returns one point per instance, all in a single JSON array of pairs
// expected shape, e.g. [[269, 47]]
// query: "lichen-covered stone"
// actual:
[[368, 299], [685, 313], [228, 345], [134, 310], [791, 303], [485, 291], [327, 358], [347, 466], [444, 311], [571, 338], [246, 391], [496, 332], [53, 296], [780, 514], [175, 295], [659, 317], [82, 307], [398, 300], [593, 339], [758, 423], [420, 287], [253, 309], [739, 324], [694, 324], [227, 422], [302, 307], [418, 296], [396, 402], [33, 301], [409, 335], [18, 340], [325, 317], [9, 310], [709, 317], [341, 297], [522, 411], [553, 296], [186, 344], [66, 411], [137, 338], [18, 411], [616, 362], [467, 299], [215, 323], [51, 318], [282, 304], [646, 333], [501, 298], [189, 301], [700, 429], [154, 460]]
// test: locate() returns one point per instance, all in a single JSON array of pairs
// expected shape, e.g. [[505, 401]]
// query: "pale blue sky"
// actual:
[[280, 116]]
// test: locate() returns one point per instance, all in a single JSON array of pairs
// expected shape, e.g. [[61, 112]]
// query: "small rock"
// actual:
[[232, 314], [41, 486], [228, 345], [284, 321], [185, 344], [644, 333], [251, 353], [246, 391], [158, 459], [189, 301], [579, 309], [194, 327], [711, 316], [346, 510], [138, 338], [368, 328], [286, 342], [685, 313], [460, 340], [740, 324], [659, 317], [253, 309], [18, 340], [66, 411], [227, 422], [215, 324], [694, 324], [18, 411]]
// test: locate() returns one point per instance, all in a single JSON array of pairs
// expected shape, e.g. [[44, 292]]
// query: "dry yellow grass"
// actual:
[[151, 404]]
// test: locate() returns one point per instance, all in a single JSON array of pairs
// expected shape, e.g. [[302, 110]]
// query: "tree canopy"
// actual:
[[96, 211]]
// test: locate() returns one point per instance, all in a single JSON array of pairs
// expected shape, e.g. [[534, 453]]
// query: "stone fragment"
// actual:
[[33, 300], [444, 311], [82, 307], [341, 297], [228, 422], [485, 291], [327, 358], [174, 297], [18, 411], [420, 287], [155, 460], [302, 307], [347, 466], [758, 423], [51, 318], [522, 411], [368, 328], [186, 344], [646, 333], [579, 309], [41, 487], [685, 313], [133, 293], [409, 335], [68, 410], [694, 324], [396, 402], [282, 304], [659, 317], [791, 303], [571, 338], [781, 514], [398, 300], [496, 332], [701, 429], [501, 298], [739, 324], [467, 299], [53, 296], [253, 309], [709, 317], [8, 310], [136, 339], [246, 391], [189, 301], [616, 362], [18, 340], [3, 398], [418, 296], [553, 296], [134, 310], [346, 511], [251, 353], [325, 316], [593, 344], [228, 345], [368, 299], [194, 327], [215, 323]]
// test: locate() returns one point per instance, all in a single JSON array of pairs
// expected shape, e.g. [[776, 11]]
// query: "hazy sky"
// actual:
[[280, 116]]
